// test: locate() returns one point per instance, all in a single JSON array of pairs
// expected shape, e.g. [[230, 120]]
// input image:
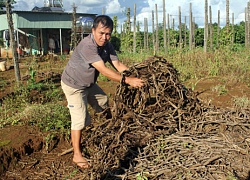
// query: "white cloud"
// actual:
[[27, 5], [198, 8], [114, 7], [145, 8], [89, 2]]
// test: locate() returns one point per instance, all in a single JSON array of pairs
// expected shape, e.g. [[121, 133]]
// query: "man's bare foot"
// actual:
[[81, 162]]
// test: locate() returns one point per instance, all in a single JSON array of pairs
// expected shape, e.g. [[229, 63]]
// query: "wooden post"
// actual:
[[145, 34], [233, 33], [153, 31], [248, 24], [174, 41], [218, 30], [180, 29], [164, 28], [74, 36], [115, 32], [147, 43], [128, 21], [227, 14], [185, 32], [173, 23], [210, 28], [168, 31], [246, 27], [190, 27], [193, 30], [12, 41], [206, 26], [134, 35], [122, 30], [157, 30]]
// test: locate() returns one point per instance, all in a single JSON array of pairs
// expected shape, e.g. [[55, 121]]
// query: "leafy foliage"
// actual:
[[3, 3]]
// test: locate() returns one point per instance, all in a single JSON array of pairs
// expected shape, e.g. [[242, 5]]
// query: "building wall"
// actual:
[[3, 20]]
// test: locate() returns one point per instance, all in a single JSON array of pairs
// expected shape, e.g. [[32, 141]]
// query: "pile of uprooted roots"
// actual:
[[163, 131]]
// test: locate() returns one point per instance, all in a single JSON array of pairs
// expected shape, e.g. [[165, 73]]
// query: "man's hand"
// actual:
[[111, 74], [134, 82]]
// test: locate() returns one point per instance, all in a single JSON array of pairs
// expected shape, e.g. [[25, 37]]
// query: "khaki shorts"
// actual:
[[78, 101]]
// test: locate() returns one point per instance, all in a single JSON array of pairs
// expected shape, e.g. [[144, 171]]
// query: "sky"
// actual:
[[144, 9]]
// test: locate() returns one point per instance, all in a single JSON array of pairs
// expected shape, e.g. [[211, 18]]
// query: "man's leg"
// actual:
[[76, 142], [97, 98], [77, 104]]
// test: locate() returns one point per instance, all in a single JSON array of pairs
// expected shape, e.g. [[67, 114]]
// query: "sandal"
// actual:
[[82, 165]]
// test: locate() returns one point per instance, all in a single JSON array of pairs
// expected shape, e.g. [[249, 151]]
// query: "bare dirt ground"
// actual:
[[22, 152]]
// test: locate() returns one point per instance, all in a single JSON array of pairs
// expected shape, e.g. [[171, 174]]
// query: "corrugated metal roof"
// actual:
[[39, 19], [42, 12]]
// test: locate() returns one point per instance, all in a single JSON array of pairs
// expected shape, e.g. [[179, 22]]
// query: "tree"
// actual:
[[8, 5], [3, 3], [115, 20], [127, 35], [199, 37], [115, 40], [240, 33]]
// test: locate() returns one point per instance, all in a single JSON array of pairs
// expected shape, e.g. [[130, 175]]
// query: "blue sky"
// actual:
[[144, 9]]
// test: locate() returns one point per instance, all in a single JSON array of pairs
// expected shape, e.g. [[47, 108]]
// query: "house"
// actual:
[[34, 28]]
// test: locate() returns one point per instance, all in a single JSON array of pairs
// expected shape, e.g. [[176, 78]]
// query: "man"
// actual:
[[51, 44], [80, 75]]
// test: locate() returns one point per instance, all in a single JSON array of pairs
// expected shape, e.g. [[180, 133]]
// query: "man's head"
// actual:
[[102, 29]]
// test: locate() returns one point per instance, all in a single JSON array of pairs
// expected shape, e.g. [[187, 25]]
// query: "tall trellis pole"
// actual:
[[145, 33], [206, 26], [227, 14], [157, 29], [233, 33], [218, 30], [190, 27], [134, 35], [248, 24], [164, 27], [180, 29], [210, 28], [153, 30], [168, 31]]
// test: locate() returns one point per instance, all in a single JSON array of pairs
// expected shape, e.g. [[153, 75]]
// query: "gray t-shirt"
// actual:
[[79, 73]]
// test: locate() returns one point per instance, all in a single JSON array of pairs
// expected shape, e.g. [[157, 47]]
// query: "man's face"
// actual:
[[101, 34]]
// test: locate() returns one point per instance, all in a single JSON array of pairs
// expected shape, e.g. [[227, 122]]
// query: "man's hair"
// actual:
[[105, 20]]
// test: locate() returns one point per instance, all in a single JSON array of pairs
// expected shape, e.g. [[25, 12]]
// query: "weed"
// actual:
[[220, 89], [20, 108], [3, 83], [56, 118], [52, 93], [4, 143], [231, 176], [242, 102], [141, 176], [62, 57], [193, 85], [187, 145], [32, 81], [214, 66], [71, 175]]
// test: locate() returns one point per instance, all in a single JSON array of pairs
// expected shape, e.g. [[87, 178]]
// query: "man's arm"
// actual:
[[115, 76], [119, 66]]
